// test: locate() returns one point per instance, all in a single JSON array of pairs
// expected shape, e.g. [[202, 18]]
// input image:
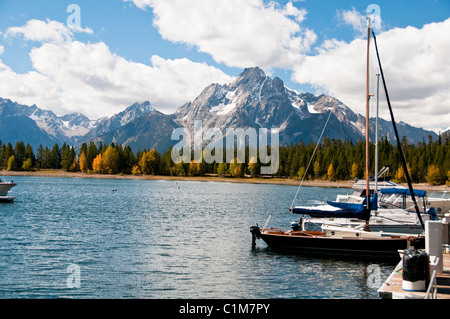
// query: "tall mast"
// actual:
[[376, 134], [367, 124]]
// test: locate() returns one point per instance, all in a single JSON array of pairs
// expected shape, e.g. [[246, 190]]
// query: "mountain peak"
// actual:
[[142, 108], [249, 78], [253, 71]]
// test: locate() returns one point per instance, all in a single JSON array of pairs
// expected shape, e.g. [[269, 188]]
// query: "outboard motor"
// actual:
[[295, 226], [256, 233]]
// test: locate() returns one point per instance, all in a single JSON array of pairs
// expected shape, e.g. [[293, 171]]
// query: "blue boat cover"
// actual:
[[402, 191], [346, 210]]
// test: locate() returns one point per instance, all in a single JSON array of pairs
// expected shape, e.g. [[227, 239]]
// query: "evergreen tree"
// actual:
[[40, 157], [91, 153], [68, 156], [55, 157], [30, 155], [19, 153]]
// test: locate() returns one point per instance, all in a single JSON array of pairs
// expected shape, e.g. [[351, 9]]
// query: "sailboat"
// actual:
[[393, 213], [345, 239]]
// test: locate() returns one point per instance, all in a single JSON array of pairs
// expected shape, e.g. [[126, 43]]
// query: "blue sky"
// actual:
[[167, 51]]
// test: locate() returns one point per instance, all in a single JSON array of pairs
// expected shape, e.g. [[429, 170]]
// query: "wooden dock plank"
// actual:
[[392, 288]]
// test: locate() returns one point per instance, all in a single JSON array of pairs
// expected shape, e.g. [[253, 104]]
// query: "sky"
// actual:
[[98, 57]]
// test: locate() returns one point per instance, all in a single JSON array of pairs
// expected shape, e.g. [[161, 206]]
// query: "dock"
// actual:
[[435, 276], [392, 288]]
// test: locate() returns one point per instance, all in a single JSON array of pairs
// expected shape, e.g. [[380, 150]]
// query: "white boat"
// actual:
[[392, 215], [440, 204], [5, 187]]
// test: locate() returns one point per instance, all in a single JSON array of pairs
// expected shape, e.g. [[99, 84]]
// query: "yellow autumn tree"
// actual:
[[300, 172], [27, 165], [235, 169], [136, 170], [150, 162], [433, 175], [401, 177], [11, 165], [83, 162], [110, 161], [74, 167], [195, 169], [97, 166], [355, 170], [316, 169], [330, 172], [222, 169]]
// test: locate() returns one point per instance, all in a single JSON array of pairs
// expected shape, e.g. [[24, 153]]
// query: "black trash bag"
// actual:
[[415, 265]]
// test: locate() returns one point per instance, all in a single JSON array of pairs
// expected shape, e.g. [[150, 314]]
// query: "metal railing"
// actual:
[[432, 289], [432, 286]]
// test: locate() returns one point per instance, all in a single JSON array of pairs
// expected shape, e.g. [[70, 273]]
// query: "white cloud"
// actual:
[[71, 76], [44, 31], [415, 65], [234, 32], [355, 19]]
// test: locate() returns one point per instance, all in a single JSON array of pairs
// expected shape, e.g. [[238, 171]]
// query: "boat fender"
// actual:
[[415, 270]]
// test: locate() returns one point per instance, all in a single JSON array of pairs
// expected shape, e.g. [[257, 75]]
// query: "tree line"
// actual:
[[428, 161]]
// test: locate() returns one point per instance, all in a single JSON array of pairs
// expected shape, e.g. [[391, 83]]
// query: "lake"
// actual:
[[116, 238]]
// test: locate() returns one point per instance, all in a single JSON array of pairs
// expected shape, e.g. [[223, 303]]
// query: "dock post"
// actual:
[[433, 242]]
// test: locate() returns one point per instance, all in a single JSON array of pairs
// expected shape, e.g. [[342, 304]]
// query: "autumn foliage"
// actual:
[[333, 160]]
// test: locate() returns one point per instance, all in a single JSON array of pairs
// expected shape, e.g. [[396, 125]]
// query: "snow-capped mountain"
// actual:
[[252, 100], [106, 125], [255, 100], [36, 126]]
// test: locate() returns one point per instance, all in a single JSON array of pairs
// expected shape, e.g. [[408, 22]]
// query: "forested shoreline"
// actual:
[[428, 161]]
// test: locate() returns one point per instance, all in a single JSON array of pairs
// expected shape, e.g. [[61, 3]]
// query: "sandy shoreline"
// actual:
[[278, 181]]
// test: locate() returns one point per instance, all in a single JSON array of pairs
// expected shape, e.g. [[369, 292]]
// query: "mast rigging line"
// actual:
[[310, 160], [405, 168]]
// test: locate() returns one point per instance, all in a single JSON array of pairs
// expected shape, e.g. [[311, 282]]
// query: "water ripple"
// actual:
[[160, 239]]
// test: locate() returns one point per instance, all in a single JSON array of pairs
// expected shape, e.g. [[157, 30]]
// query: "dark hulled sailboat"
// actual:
[[340, 239]]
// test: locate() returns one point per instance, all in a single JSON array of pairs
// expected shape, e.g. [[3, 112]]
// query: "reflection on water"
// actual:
[[162, 239]]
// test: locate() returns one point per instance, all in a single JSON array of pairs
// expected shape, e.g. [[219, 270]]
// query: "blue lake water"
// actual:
[[114, 238]]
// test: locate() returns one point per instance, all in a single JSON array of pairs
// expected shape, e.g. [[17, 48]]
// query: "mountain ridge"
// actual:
[[252, 99]]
